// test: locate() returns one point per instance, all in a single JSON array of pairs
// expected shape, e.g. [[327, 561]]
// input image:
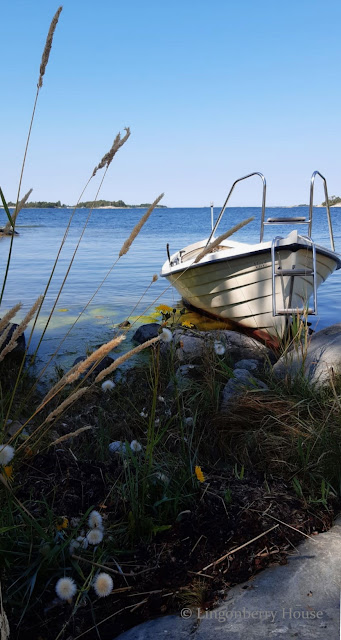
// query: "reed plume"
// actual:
[[48, 45], [20, 329], [80, 367], [108, 157], [72, 434], [126, 246], [74, 396], [9, 315], [106, 372], [220, 239], [18, 208], [155, 277]]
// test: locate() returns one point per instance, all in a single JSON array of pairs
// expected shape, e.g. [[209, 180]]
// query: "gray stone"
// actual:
[[146, 332], [323, 358], [249, 364], [242, 380], [190, 346], [300, 600]]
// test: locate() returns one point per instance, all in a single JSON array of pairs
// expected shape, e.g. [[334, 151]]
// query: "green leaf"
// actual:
[[6, 208]]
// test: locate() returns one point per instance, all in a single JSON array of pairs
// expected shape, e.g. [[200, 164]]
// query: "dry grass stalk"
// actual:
[[126, 356], [72, 434], [20, 329], [213, 564], [79, 368], [138, 226], [221, 238], [72, 398], [48, 45], [9, 315], [108, 157], [19, 206]]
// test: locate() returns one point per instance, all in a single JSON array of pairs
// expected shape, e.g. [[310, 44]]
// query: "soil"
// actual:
[[177, 567]]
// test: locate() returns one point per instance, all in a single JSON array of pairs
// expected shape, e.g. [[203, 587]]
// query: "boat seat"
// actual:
[[298, 220]]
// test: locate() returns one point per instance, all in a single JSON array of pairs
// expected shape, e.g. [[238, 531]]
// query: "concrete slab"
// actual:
[[300, 600]]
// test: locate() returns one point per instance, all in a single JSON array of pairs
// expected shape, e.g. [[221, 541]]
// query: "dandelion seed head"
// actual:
[[95, 520], [219, 348], [135, 446], [95, 536], [166, 335], [108, 385], [103, 585], [6, 454], [65, 588], [117, 447]]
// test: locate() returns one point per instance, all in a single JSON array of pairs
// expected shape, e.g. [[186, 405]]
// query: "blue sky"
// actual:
[[212, 90]]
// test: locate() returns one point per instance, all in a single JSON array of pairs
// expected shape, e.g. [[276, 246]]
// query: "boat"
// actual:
[[262, 286]]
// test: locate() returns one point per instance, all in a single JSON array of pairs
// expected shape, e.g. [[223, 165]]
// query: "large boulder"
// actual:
[[321, 359], [146, 332], [190, 346]]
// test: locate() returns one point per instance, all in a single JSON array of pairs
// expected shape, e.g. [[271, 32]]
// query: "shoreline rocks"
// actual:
[[320, 361]]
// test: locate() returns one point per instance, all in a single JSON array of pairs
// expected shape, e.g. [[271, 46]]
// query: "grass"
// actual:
[[176, 494]]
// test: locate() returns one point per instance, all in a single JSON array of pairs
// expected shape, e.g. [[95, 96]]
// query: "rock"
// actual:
[[106, 362], [190, 347], [20, 348], [249, 364], [323, 358], [146, 332], [124, 324], [299, 600], [241, 381]]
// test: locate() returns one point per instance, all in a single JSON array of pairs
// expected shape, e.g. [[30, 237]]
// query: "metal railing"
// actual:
[[256, 173], [312, 182]]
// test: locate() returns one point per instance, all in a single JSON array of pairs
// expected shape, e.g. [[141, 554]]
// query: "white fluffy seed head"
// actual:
[[135, 446], [166, 335], [219, 348], [83, 541], [6, 454], [103, 585], [95, 520], [66, 588], [108, 385], [95, 536]]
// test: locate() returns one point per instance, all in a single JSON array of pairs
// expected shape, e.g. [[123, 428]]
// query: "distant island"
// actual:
[[332, 201], [99, 204]]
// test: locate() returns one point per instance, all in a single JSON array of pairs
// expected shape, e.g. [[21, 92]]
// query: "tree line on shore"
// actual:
[[86, 205]]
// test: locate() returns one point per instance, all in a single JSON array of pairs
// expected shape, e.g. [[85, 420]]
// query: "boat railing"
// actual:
[[311, 203], [282, 220], [255, 173]]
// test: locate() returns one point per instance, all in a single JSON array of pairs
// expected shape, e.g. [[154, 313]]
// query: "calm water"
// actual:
[[41, 231]]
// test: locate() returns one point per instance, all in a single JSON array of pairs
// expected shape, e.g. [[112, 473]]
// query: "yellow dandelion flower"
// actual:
[[8, 472], [187, 323], [199, 474], [62, 523], [164, 308]]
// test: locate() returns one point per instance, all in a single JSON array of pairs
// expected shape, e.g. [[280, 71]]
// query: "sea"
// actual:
[[128, 290]]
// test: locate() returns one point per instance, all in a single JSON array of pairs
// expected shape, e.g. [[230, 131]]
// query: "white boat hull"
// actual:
[[236, 283]]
